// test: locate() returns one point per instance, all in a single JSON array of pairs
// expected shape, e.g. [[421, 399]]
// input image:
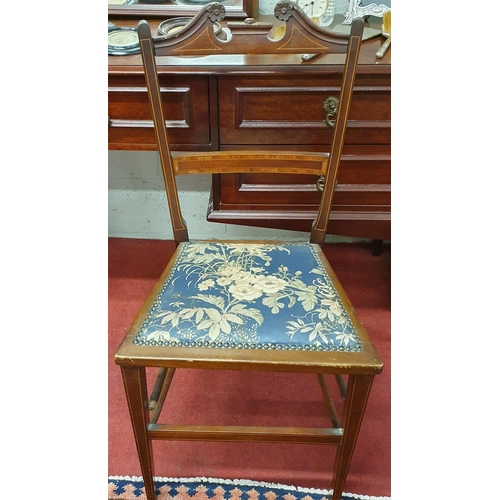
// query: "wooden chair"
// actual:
[[241, 305]]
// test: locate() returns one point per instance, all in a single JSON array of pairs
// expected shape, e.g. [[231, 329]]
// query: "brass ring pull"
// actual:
[[320, 183], [331, 106]]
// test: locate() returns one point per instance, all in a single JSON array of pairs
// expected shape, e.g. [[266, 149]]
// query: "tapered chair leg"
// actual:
[[358, 390], [134, 379]]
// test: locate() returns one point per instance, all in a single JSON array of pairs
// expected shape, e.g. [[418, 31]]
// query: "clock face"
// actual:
[[313, 8]]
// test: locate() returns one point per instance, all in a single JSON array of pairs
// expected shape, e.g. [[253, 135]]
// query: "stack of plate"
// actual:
[[171, 26], [122, 41]]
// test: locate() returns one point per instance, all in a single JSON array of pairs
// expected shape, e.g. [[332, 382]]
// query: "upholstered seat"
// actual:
[[240, 305], [249, 296]]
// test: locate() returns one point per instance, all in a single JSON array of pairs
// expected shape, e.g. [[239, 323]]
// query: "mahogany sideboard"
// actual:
[[219, 102]]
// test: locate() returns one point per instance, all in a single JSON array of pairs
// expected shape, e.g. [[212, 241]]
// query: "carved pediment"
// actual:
[[300, 35]]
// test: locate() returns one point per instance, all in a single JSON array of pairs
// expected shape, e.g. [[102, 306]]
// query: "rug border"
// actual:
[[246, 482]]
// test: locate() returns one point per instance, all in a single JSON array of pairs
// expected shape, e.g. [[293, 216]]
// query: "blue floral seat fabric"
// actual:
[[255, 296]]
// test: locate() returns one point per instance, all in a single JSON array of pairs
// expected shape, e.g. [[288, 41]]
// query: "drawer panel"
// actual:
[[276, 111], [361, 204], [296, 193], [186, 108]]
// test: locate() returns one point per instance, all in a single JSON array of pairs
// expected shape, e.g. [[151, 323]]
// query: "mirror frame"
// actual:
[[241, 10]]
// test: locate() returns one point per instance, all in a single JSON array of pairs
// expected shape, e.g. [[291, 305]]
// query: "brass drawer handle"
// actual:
[[331, 106], [320, 183]]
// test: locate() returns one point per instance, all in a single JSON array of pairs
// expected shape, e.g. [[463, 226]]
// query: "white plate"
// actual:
[[123, 38]]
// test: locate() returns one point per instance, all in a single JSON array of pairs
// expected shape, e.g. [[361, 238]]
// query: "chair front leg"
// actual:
[[358, 390], [134, 380]]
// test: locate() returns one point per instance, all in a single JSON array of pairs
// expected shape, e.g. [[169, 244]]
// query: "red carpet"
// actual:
[[210, 397]]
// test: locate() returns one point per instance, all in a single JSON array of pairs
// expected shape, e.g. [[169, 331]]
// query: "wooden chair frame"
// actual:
[[198, 37]]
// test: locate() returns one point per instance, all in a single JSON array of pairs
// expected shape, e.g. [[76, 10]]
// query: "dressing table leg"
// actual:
[[377, 247]]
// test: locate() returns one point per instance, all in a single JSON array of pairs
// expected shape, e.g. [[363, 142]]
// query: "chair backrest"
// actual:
[[301, 36]]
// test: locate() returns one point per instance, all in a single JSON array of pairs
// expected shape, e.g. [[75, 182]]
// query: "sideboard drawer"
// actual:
[[363, 183], [186, 108], [258, 110], [361, 203]]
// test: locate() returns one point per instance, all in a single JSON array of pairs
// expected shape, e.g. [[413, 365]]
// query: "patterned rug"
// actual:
[[201, 488]]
